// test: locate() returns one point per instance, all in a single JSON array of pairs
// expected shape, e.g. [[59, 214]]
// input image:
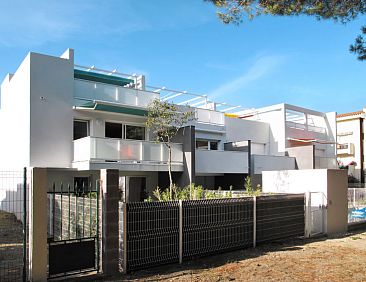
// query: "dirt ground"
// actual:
[[322, 259]]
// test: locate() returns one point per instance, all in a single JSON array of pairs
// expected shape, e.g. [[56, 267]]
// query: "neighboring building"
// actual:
[[350, 143], [56, 114]]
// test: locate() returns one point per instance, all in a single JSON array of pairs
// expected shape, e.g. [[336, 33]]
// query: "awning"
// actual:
[[111, 107], [104, 78], [309, 140]]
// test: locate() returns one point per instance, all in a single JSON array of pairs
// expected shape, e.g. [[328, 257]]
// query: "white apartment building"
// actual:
[[77, 119], [351, 143]]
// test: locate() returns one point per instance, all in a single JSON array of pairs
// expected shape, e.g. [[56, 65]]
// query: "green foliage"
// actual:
[[165, 119], [359, 46], [248, 184], [233, 12], [249, 188], [189, 192]]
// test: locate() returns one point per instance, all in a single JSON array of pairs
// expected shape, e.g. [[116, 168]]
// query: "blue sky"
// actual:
[[182, 45]]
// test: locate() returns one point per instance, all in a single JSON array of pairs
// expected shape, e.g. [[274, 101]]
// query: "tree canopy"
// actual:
[[234, 11]]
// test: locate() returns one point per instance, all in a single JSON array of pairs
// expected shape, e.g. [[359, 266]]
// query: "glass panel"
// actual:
[[202, 144], [106, 149], [113, 130], [152, 152], [177, 153], [129, 150], [80, 129]]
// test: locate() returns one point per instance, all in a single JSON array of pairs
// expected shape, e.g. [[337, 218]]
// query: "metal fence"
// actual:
[[13, 225], [356, 205], [279, 217], [167, 232], [153, 234], [211, 226]]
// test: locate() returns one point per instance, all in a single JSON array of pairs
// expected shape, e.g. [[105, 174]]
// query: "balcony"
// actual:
[[346, 149], [126, 152], [210, 161], [85, 91]]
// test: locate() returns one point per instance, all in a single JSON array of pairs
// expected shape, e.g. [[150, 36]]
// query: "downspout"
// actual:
[[362, 175]]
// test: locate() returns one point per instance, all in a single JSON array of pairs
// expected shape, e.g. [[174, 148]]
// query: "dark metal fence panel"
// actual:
[[280, 216], [152, 234], [73, 214], [13, 225], [212, 226]]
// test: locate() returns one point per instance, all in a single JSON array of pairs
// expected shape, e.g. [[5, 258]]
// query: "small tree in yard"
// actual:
[[164, 120]]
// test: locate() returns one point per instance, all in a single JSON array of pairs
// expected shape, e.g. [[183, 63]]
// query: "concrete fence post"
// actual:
[[180, 231], [254, 221], [110, 220], [38, 258]]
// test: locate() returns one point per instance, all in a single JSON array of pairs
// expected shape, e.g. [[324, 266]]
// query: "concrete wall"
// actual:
[[332, 183], [221, 162], [275, 116], [241, 130], [266, 163], [187, 137], [304, 156], [51, 114], [14, 118]]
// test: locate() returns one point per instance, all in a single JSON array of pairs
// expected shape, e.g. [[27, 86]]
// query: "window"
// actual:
[[134, 132], [81, 129], [214, 145], [207, 145], [81, 185], [202, 144], [113, 130]]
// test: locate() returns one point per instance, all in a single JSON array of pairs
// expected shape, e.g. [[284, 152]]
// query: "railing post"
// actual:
[[124, 214], [25, 224], [254, 221], [180, 231], [307, 214]]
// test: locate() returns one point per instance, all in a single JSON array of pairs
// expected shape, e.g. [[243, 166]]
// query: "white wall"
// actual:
[[221, 162], [275, 117], [242, 129], [14, 118], [268, 163], [332, 183], [51, 114], [352, 127]]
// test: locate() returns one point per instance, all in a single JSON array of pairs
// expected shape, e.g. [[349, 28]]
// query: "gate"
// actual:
[[13, 225], [316, 213], [73, 229]]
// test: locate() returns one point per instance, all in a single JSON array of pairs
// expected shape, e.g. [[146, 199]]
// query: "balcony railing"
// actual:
[[302, 126], [89, 90], [210, 117], [326, 162], [125, 151]]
